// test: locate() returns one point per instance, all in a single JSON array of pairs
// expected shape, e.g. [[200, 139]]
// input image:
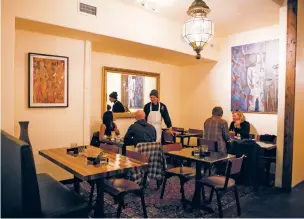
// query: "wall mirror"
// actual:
[[130, 88]]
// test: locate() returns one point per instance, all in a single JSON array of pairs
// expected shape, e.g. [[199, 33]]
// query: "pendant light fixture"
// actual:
[[198, 30]]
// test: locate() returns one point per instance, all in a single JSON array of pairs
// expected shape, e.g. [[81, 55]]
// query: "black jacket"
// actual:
[[118, 107], [140, 131], [163, 111], [243, 131]]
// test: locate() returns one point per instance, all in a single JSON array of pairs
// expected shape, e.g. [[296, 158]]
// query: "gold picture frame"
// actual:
[[104, 96]]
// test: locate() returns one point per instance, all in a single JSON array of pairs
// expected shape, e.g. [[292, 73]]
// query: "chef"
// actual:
[[118, 107], [156, 112]]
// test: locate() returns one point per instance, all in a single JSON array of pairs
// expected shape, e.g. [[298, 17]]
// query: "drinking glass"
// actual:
[[73, 145], [196, 152], [204, 148], [232, 134]]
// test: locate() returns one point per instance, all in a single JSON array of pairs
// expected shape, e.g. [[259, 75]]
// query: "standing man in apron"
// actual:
[[156, 112]]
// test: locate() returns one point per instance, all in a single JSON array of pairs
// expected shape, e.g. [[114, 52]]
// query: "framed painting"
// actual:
[[254, 77], [48, 81]]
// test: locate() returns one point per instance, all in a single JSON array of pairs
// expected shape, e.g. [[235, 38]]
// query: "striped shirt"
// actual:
[[216, 129]]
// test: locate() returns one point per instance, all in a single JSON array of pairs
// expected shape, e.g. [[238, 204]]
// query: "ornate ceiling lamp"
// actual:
[[198, 30]]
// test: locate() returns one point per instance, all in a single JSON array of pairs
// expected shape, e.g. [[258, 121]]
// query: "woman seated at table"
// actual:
[[108, 126], [239, 125]]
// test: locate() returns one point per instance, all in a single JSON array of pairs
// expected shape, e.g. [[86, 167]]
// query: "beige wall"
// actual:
[[7, 68], [298, 148], [169, 86], [49, 127], [211, 85], [158, 32]]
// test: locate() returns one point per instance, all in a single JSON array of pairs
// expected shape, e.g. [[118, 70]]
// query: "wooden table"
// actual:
[[78, 166], [266, 146], [186, 154]]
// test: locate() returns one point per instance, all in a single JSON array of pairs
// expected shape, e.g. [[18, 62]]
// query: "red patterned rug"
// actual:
[[170, 206]]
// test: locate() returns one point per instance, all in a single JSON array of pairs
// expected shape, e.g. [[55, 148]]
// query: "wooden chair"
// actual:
[[119, 188], [177, 129], [194, 131], [222, 184], [109, 148], [212, 145], [183, 173], [168, 138]]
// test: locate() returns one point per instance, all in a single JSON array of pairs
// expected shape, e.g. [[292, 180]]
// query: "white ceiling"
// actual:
[[229, 16]]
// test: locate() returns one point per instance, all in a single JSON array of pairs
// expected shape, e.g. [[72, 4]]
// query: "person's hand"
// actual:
[[170, 131], [237, 124]]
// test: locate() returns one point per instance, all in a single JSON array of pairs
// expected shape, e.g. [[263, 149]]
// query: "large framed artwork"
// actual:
[[48, 80], [132, 91], [254, 77]]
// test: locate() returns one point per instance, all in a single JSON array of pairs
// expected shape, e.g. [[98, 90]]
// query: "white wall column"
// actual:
[[87, 92]]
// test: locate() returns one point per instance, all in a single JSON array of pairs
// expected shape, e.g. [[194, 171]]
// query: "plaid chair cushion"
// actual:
[[157, 163]]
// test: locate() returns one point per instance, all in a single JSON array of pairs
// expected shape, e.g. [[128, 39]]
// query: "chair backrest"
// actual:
[[95, 139], [19, 187], [196, 131], [105, 141], [177, 129], [110, 148], [137, 156], [172, 147], [212, 145], [268, 138], [234, 167], [168, 137], [154, 152]]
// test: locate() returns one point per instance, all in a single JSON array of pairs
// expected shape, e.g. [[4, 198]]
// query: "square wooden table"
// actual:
[[79, 167], [186, 154]]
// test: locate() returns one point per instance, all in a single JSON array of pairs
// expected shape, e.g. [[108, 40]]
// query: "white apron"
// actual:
[[155, 119]]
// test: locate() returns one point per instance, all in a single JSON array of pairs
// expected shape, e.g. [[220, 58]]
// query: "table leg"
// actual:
[[123, 150], [76, 184], [196, 201], [99, 208], [182, 141]]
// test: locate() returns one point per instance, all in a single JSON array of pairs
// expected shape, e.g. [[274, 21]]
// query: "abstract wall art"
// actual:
[[133, 91], [48, 80], [254, 77]]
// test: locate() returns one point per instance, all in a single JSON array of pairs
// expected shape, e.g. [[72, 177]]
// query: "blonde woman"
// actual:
[[239, 124]]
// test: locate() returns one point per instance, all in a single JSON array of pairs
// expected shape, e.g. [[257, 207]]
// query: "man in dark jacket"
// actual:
[[118, 107], [140, 131]]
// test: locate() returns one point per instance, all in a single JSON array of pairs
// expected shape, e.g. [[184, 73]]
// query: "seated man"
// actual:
[[216, 129], [140, 131]]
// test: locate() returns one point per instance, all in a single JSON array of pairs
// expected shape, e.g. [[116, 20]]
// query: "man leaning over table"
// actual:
[[156, 112]]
